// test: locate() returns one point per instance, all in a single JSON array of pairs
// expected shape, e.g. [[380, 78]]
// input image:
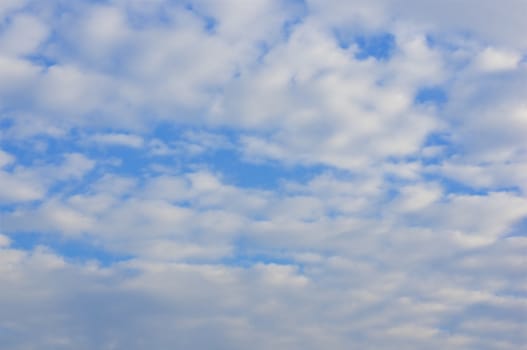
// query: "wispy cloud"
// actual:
[[116, 139]]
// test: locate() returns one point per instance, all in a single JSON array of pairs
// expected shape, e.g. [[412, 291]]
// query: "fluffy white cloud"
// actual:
[[22, 183], [337, 111], [492, 60], [23, 36]]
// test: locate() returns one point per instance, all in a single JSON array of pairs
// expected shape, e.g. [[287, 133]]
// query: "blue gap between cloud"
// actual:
[[265, 175], [519, 229], [380, 46], [73, 249], [431, 95], [229, 162]]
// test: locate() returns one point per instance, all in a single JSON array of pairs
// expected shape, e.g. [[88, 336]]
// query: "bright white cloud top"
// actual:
[[263, 174]]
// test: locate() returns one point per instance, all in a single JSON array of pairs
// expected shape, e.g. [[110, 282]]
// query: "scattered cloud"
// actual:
[[116, 139], [289, 174]]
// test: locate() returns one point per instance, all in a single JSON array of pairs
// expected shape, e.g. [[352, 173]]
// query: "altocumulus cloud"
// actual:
[[263, 174]]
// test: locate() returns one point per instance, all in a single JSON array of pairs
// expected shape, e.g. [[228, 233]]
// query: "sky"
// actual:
[[264, 174]]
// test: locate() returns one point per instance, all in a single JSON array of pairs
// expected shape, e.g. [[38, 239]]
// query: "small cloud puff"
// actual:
[[4, 241], [496, 60], [117, 139]]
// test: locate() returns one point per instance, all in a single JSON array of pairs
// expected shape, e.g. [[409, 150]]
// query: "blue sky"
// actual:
[[266, 174]]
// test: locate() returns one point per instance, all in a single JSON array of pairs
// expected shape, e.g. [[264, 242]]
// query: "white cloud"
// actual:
[[16, 78], [19, 187], [104, 29], [23, 35], [277, 305], [336, 111], [417, 197], [478, 219], [5, 158], [192, 143], [22, 183], [10, 5], [386, 221], [351, 265], [117, 139], [4, 241], [493, 60]]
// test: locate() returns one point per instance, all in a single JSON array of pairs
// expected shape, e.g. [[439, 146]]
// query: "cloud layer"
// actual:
[[279, 174]]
